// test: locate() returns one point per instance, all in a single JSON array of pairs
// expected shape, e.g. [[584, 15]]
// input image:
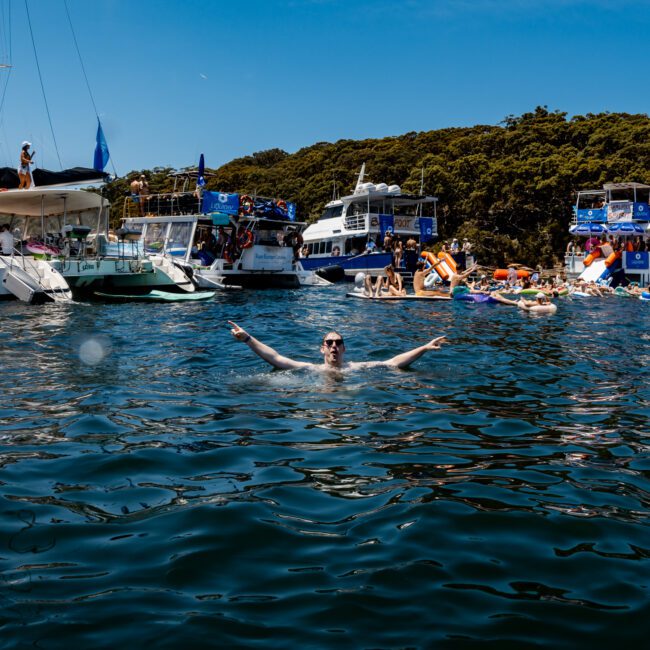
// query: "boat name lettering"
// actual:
[[87, 266], [402, 223]]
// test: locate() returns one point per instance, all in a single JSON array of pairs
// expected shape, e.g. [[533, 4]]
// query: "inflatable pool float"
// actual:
[[36, 248], [464, 294], [534, 292], [644, 296]]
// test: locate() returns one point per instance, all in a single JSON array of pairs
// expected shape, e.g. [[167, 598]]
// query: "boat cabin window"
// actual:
[[154, 237], [355, 245], [334, 211], [591, 201], [179, 237], [320, 248]]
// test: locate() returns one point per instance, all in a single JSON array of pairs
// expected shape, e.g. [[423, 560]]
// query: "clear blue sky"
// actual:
[[172, 79]]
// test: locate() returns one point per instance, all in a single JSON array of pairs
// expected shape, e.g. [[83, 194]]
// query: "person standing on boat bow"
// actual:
[[24, 172], [333, 349]]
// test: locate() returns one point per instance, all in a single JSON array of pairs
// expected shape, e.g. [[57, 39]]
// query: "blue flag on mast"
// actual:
[[101, 150], [200, 181]]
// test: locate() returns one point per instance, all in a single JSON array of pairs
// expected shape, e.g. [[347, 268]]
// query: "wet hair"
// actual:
[[332, 332]]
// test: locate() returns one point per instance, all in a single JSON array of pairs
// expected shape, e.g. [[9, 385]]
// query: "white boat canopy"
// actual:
[[48, 202]]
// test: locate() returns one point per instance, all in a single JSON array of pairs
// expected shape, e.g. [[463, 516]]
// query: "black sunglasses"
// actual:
[[330, 342]]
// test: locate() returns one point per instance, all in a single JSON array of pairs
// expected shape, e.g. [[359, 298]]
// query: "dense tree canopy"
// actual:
[[509, 188]]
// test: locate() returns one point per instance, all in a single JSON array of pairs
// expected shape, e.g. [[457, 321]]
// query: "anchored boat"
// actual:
[[221, 240], [615, 221], [63, 232], [349, 235]]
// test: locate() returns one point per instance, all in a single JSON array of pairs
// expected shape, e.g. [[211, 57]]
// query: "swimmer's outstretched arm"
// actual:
[[405, 359], [265, 351]]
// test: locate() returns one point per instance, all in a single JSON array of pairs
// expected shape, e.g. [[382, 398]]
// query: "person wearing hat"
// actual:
[[24, 173], [454, 246], [541, 304]]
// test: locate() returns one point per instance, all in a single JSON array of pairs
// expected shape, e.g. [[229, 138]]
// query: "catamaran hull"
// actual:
[[132, 276]]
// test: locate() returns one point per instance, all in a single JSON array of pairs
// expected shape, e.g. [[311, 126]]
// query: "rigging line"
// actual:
[[40, 77], [83, 69], [8, 63]]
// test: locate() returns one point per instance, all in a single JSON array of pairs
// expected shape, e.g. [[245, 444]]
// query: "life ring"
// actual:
[[245, 240], [282, 205], [246, 203]]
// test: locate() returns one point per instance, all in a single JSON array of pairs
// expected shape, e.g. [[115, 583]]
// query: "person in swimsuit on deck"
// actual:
[[333, 349], [24, 173], [391, 285]]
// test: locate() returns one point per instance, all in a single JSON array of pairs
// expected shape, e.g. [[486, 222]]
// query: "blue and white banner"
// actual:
[[591, 215], [641, 211], [637, 261], [427, 229], [386, 224], [220, 202]]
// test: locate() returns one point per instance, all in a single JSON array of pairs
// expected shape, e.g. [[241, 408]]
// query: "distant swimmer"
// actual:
[[333, 350], [541, 304]]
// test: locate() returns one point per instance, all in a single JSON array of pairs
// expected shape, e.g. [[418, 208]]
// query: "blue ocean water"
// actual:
[[161, 486]]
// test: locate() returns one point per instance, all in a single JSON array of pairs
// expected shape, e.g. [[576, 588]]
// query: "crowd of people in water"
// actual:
[[476, 281]]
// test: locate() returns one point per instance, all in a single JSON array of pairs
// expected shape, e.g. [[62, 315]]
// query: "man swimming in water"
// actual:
[[333, 349]]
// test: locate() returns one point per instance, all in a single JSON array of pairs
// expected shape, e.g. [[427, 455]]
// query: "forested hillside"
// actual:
[[509, 188]]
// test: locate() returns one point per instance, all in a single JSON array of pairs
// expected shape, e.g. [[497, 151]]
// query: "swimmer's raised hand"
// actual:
[[436, 343], [239, 333]]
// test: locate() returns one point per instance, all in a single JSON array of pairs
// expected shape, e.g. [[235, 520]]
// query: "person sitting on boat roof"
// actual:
[[333, 349], [24, 172], [6, 240]]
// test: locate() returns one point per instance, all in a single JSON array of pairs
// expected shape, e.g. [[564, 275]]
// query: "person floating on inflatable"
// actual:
[[541, 304]]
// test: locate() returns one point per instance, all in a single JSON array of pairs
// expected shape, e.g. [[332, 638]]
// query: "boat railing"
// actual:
[[355, 222], [161, 205], [25, 262]]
